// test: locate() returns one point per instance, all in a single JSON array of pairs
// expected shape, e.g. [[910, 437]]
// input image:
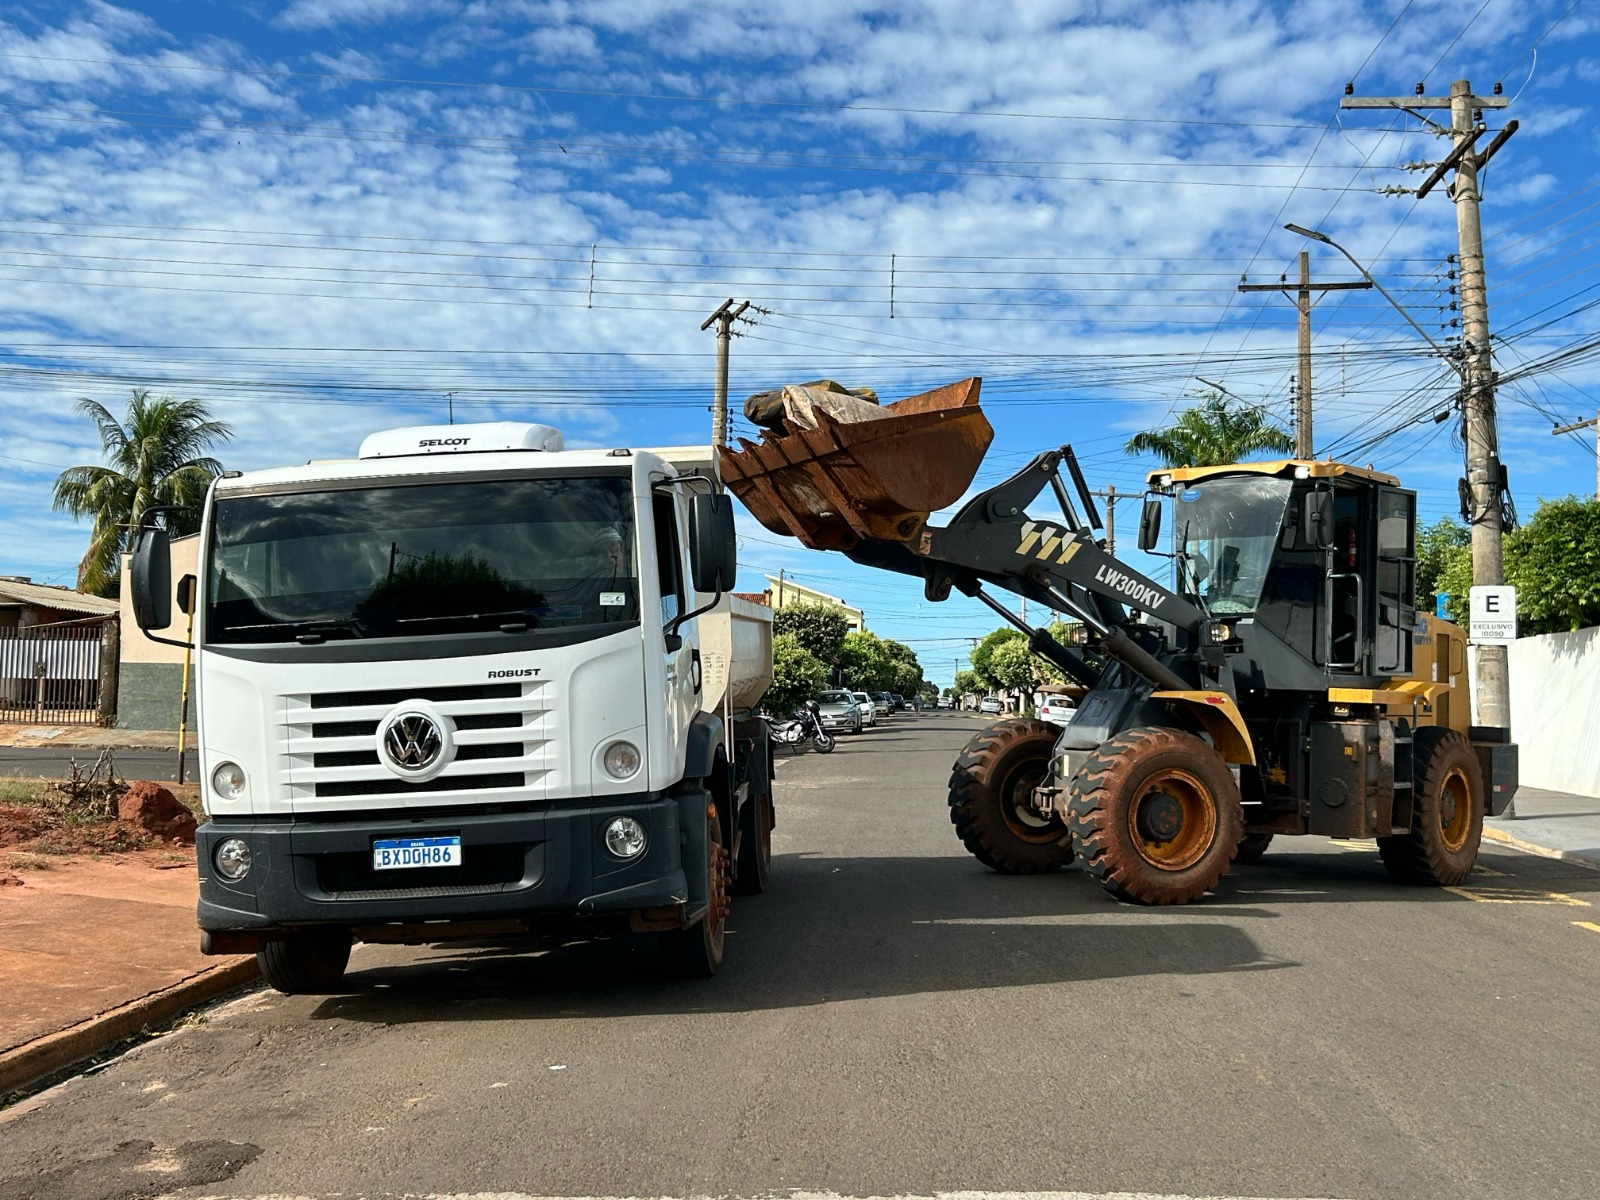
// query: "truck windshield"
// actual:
[[407, 561], [1227, 528]]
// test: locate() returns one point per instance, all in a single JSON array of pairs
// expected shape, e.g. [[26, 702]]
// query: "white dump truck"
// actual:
[[470, 684]]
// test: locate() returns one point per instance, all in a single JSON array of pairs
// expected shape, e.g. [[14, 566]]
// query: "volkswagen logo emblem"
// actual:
[[412, 741]]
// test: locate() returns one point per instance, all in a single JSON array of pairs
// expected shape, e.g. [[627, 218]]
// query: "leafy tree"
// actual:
[[1014, 667], [819, 628], [1211, 433], [1436, 544], [866, 664], [154, 458], [984, 651], [797, 676], [966, 681], [1554, 562]]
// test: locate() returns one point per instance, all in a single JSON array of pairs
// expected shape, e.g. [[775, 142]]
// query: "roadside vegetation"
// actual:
[[45, 819]]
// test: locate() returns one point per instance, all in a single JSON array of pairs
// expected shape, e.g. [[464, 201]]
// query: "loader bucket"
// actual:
[[877, 477]]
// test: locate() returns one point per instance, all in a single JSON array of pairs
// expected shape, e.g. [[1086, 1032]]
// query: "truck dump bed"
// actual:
[[735, 655]]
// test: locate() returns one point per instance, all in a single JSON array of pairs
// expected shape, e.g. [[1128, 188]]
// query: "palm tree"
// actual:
[[157, 457], [1211, 434]]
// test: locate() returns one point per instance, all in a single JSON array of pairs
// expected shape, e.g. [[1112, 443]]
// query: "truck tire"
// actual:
[[755, 846], [307, 962], [1155, 816], [1447, 813], [990, 790], [1252, 847], [696, 952]]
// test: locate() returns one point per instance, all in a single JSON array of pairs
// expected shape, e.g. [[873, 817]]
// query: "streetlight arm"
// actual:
[[1384, 292]]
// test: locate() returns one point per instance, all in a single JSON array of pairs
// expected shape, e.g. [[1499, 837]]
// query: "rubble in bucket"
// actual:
[[834, 467]]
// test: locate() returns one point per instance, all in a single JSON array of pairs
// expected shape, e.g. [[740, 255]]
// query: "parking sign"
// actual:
[[1492, 615]]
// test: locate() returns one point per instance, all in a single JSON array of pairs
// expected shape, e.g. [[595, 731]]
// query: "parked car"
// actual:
[[945, 702], [868, 707], [839, 711], [1057, 710], [884, 701], [989, 705], [899, 702]]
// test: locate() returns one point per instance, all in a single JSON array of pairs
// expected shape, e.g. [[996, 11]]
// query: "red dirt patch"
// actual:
[[151, 807]]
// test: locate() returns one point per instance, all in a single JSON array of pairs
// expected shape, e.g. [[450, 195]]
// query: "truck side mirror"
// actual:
[[1317, 521], [186, 595], [713, 554], [150, 579], [1150, 524]]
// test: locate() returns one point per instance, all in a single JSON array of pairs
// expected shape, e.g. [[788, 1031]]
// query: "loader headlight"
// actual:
[[1218, 632], [227, 781], [1078, 634]]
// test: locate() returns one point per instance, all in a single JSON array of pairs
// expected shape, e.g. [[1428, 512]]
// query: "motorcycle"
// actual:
[[806, 722]]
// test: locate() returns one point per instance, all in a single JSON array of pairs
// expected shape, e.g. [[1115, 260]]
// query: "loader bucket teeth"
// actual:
[[841, 481]]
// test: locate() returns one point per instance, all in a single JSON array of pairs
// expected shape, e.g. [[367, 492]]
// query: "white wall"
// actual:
[[1555, 710]]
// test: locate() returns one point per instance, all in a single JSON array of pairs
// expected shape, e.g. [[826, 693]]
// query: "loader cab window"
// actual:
[[1226, 530]]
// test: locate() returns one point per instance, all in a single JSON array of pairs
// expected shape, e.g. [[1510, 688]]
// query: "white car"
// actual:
[[1057, 710], [868, 707], [988, 705]]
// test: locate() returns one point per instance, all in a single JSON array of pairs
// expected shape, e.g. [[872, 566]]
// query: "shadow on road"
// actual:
[[831, 929]]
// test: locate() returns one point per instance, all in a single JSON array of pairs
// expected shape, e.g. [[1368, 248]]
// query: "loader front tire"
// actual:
[[991, 788], [1447, 813], [1155, 817]]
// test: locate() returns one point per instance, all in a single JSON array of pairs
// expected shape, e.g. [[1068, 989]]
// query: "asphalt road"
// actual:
[[896, 1020], [53, 762]]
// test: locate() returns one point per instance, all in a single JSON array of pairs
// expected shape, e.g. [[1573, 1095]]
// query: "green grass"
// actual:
[[29, 792]]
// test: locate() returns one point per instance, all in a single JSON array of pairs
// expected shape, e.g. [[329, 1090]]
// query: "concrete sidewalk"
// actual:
[[89, 940], [88, 737], [1556, 824]]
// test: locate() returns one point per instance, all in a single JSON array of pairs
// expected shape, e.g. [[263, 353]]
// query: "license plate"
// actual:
[[390, 854]]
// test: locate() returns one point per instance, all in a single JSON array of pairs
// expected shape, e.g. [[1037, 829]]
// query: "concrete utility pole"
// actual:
[[1302, 299], [1485, 476], [1110, 495], [724, 318], [1573, 428]]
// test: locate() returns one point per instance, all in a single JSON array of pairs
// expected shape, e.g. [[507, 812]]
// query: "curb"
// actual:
[[43, 1056], [1516, 843]]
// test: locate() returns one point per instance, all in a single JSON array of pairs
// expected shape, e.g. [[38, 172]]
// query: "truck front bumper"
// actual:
[[550, 862]]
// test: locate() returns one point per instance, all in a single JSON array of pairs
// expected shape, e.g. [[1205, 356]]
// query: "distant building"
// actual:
[[783, 592], [58, 654]]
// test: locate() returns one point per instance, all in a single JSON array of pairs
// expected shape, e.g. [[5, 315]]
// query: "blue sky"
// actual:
[[326, 216]]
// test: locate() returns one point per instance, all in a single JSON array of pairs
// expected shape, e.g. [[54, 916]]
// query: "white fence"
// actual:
[[1555, 710]]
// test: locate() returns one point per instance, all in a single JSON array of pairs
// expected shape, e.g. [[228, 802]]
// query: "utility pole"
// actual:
[[1111, 496], [1573, 428], [724, 318], [1485, 482], [1302, 303]]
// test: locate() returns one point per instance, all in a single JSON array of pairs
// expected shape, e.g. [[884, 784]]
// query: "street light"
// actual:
[[1318, 236]]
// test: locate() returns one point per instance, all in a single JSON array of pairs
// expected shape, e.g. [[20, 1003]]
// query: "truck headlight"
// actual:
[[625, 837], [228, 781], [232, 859], [621, 760]]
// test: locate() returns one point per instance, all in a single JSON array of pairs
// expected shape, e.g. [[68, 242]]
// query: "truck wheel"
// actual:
[[991, 789], [755, 846], [696, 952], [307, 962], [1155, 816], [1252, 847], [1447, 817]]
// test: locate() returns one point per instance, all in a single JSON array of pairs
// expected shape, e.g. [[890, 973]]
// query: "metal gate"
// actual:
[[50, 674]]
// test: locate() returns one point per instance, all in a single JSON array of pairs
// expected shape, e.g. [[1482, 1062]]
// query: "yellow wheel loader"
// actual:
[[1285, 684]]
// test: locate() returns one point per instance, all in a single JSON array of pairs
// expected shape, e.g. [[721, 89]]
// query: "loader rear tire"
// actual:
[[1252, 847], [1155, 816], [990, 791], [1447, 818]]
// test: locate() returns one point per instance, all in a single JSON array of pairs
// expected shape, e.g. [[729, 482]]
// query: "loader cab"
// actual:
[[1320, 554]]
